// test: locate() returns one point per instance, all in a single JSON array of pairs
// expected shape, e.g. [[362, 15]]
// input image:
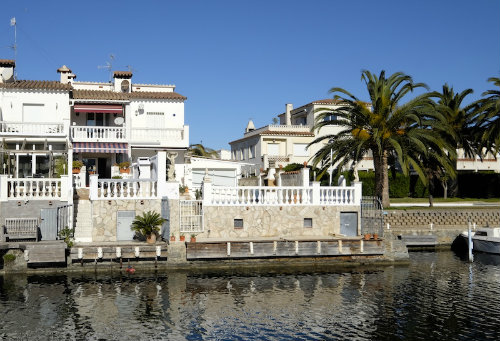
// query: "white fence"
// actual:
[[94, 133], [282, 195], [35, 189], [156, 134], [31, 128], [123, 189]]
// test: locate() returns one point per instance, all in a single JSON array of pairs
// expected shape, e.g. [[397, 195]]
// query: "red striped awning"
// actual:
[[101, 108], [100, 147]]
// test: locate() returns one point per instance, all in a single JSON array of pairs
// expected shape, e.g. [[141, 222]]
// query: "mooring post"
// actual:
[[471, 256]]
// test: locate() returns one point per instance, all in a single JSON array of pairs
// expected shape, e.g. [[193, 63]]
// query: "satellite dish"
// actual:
[[7, 75], [125, 85], [119, 121]]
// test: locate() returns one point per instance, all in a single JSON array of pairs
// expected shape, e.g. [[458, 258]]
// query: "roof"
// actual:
[[99, 95], [64, 68], [276, 133], [156, 95], [7, 62], [326, 101], [42, 85], [122, 74]]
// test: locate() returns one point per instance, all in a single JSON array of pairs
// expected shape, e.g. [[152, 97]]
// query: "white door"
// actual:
[[124, 220]]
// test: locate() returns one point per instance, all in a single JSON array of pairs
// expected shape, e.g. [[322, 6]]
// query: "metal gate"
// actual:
[[165, 214], [349, 223], [372, 216], [48, 225], [191, 216], [65, 219], [124, 220]]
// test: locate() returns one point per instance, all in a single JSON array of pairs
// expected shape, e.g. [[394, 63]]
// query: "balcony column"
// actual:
[[4, 189], [358, 192], [315, 192], [161, 157], [128, 123], [93, 190]]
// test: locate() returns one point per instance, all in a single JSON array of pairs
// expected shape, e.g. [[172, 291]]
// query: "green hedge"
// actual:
[[478, 185], [399, 187]]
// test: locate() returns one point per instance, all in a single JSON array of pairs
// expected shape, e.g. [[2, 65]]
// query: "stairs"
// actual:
[[83, 221]]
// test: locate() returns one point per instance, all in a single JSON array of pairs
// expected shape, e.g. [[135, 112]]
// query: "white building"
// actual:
[[286, 142]]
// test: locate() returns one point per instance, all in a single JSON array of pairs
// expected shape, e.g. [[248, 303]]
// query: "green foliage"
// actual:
[[200, 150], [198, 194], [182, 189], [66, 234], [292, 167], [124, 165], [147, 223], [60, 166], [400, 187], [479, 185], [9, 258], [117, 177], [77, 164]]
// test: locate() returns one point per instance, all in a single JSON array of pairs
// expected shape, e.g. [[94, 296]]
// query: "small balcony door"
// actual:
[[97, 119]]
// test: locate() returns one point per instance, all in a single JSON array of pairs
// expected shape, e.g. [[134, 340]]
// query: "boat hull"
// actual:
[[486, 245]]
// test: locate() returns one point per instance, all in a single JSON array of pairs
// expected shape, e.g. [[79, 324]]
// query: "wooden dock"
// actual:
[[283, 248], [117, 251], [39, 252]]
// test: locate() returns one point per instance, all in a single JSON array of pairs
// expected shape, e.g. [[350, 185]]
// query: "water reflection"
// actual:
[[437, 297]]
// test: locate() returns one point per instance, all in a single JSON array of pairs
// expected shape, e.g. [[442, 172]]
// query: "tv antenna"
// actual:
[[108, 66], [14, 47], [130, 68]]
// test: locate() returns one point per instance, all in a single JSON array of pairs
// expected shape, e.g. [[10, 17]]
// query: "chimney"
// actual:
[[288, 114], [66, 75], [122, 81], [250, 127], [7, 67]]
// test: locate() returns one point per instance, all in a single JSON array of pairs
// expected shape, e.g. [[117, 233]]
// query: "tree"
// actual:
[[200, 150], [489, 118], [147, 224], [460, 122], [382, 127]]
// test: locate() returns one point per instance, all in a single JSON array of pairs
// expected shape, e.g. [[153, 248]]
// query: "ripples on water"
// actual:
[[437, 297]]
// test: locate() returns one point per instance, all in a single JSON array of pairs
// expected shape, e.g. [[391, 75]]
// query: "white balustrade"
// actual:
[[124, 189], [282, 196], [31, 128], [156, 134], [34, 189], [98, 133]]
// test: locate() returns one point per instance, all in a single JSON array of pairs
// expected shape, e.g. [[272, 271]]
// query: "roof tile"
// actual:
[[42, 85]]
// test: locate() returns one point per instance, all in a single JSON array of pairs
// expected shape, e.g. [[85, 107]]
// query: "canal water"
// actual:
[[437, 297]]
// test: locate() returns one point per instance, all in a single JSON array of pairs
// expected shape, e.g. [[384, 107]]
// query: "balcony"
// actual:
[[31, 129], [165, 137], [98, 134]]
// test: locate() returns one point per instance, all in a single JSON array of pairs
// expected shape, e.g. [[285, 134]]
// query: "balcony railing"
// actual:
[[162, 136], [98, 134], [31, 128], [35, 189]]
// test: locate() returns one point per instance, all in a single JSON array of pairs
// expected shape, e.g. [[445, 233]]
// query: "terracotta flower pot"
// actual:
[[375, 236], [367, 236], [125, 170], [172, 238], [151, 239], [193, 239], [76, 170], [183, 238]]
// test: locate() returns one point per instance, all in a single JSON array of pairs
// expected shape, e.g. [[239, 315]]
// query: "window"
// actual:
[[155, 119], [251, 149], [33, 112], [329, 118], [273, 149], [301, 121], [308, 222], [300, 149], [238, 223]]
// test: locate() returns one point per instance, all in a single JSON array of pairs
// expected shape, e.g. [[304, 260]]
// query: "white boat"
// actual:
[[487, 240]]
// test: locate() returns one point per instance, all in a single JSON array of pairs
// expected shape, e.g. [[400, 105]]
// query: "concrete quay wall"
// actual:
[[445, 224]]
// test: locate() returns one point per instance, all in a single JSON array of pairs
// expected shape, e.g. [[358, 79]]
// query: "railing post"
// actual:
[[304, 172], [65, 185], [207, 189], [316, 188], [4, 188], [358, 192], [161, 173], [93, 190]]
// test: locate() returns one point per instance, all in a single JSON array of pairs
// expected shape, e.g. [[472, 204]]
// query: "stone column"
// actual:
[[358, 192], [315, 192], [207, 189], [3, 187], [304, 172], [162, 173], [93, 191]]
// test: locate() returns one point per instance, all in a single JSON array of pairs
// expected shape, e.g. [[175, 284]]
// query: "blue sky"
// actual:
[[236, 60]]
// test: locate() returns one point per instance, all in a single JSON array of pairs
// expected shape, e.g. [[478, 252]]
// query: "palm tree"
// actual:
[[489, 118], [381, 127], [148, 224], [460, 122], [200, 150]]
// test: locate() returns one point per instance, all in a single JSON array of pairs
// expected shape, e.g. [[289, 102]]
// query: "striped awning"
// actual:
[[101, 108], [100, 147]]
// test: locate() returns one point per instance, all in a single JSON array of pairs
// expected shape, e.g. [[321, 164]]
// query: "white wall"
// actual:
[[173, 113]]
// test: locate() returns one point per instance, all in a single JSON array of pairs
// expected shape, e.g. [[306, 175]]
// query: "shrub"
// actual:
[[124, 165], [8, 258], [77, 164]]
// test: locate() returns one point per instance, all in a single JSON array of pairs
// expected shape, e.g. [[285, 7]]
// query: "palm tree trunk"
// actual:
[[381, 178]]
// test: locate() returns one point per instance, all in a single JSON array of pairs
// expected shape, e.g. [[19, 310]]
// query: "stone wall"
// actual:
[[272, 221], [104, 215], [442, 218]]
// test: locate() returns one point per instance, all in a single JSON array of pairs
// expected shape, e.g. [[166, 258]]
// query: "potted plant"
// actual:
[[182, 237], [193, 238], [77, 165], [172, 237], [148, 224], [124, 167]]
